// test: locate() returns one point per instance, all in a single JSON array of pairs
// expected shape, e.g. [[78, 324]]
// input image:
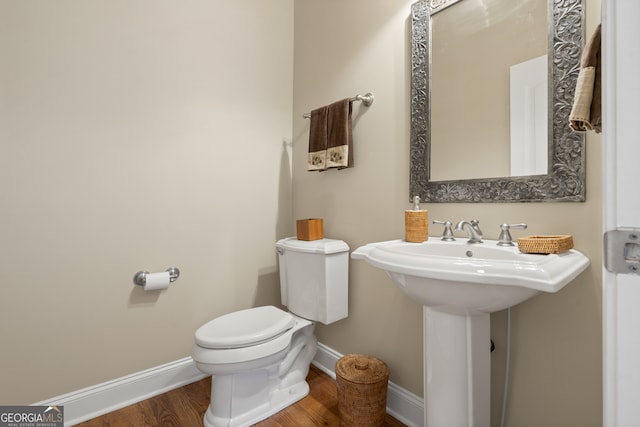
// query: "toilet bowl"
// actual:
[[262, 372], [259, 357]]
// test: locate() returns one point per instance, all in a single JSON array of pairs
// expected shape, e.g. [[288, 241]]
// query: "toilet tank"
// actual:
[[314, 278]]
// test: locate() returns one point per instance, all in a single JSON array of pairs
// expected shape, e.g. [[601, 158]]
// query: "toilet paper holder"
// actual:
[[140, 278]]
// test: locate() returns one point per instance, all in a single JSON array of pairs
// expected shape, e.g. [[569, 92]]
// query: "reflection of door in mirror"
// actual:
[[474, 45], [529, 119]]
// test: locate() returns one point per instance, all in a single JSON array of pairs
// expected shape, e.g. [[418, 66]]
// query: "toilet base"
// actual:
[[279, 400], [241, 398]]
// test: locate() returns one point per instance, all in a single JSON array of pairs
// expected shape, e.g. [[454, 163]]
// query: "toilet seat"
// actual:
[[244, 328]]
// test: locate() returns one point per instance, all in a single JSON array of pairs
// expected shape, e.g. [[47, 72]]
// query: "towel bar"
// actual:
[[367, 100]]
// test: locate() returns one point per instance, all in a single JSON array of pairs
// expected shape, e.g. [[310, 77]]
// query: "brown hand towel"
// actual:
[[340, 138], [586, 113], [317, 154]]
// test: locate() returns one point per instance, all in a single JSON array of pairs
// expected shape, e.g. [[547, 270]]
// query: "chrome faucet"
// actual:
[[472, 228]]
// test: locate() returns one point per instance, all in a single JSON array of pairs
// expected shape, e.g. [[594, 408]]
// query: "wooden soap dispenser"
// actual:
[[416, 223]]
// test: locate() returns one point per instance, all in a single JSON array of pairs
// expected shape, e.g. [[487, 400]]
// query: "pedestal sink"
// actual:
[[459, 284]]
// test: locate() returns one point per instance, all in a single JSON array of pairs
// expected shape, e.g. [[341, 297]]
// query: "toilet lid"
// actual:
[[244, 328]]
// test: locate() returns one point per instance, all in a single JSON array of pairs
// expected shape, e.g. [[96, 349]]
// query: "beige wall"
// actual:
[[144, 135], [556, 339], [135, 135]]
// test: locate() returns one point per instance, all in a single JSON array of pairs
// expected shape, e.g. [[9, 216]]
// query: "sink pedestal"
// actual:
[[457, 369]]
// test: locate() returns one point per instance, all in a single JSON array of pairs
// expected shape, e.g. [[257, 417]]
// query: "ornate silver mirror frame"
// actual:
[[565, 181]]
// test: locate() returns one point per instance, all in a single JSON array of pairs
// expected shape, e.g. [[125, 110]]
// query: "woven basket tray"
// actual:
[[551, 244]]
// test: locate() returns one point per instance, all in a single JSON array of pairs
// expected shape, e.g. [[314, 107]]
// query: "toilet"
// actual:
[[259, 357]]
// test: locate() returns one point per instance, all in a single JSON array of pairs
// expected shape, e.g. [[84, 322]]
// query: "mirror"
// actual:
[[467, 156]]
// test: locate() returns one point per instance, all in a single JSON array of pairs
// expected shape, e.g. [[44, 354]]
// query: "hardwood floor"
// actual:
[[185, 407]]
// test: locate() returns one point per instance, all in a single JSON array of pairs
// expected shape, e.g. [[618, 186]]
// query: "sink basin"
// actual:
[[463, 277], [459, 284]]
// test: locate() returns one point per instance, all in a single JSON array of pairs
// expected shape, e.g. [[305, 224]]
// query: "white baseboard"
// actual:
[[401, 404], [91, 402]]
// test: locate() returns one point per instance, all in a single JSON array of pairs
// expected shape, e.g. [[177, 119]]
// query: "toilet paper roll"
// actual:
[[155, 281]]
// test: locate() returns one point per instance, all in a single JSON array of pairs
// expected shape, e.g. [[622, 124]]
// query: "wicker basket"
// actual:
[[362, 390], [554, 244]]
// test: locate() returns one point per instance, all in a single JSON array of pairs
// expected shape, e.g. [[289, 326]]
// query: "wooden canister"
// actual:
[[416, 225], [310, 229]]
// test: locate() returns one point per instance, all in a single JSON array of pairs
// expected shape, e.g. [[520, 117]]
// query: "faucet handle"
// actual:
[[505, 236], [476, 224], [447, 234]]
